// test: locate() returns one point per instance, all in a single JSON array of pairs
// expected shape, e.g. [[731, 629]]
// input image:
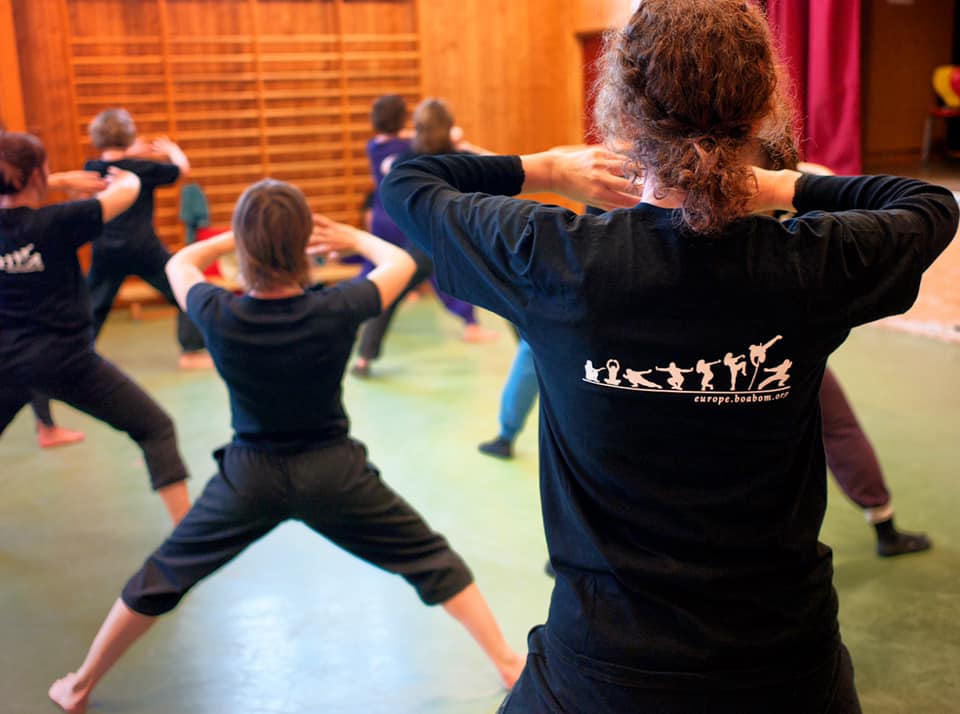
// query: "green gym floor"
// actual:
[[294, 626]]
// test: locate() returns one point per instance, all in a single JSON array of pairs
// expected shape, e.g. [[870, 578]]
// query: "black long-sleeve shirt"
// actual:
[[682, 468]]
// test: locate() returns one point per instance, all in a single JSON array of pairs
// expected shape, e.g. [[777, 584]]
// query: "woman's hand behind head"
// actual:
[[591, 175], [330, 238]]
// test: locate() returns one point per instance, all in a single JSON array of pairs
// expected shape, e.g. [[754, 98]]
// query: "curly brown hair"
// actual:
[[112, 129], [272, 224], [687, 86]]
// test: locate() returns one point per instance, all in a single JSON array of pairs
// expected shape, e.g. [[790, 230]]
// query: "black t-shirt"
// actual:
[[134, 227], [44, 306], [682, 470], [283, 360]]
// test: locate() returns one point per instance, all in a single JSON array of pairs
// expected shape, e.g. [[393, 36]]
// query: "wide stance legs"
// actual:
[[333, 490]]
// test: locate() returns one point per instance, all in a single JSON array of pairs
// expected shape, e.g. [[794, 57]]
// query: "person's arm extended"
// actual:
[[78, 184], [174, 154], [394, 266], [122, 190], [185, 268]]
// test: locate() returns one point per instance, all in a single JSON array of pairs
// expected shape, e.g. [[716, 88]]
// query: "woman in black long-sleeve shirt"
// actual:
[[682, 522]]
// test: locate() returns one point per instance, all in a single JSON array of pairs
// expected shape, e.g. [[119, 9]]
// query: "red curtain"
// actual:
[[590, 47], [820, 42]]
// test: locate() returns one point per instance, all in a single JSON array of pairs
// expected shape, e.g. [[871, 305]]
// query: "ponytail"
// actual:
[[20, 155]]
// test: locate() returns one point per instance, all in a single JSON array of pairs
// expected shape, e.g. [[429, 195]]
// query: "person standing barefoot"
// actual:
[[45, 342], [282, 350]]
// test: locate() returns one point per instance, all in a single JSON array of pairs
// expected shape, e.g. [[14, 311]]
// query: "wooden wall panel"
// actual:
[[513, 71], [42, 46], [591, 16], [12, 116], [249, 88], [117, 59], [902, 43], [381, 55], [508, 69]]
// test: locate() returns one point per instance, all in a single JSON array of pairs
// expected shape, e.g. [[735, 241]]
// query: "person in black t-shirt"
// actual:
[[129, 244], [49, 433], [44, 310], [282, 351], [682, 523]]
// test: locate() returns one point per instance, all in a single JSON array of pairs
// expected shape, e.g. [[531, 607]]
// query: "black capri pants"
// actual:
[[557, 680], [86, 381], [332, 489]]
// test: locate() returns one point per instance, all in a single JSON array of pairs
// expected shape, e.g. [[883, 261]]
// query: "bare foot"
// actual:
[[361, 368], [66, 694], [49, 436], [200, 359], [511, 669], [475, 333]]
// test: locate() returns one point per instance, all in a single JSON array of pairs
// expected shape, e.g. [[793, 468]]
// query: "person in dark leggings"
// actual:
[[683, 522], [129, 244], [49, 433], [434, 134], [282, 351], [44, 309]]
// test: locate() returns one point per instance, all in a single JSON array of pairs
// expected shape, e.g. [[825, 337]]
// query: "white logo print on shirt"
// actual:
[[22, 261], [676, 379]]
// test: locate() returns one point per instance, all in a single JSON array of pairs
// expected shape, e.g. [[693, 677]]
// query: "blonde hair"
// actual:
[[112, 129]]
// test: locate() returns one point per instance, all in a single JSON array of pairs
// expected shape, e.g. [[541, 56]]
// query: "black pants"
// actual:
[[110, 267], [93, 385], [375, 329], [41, 408], [334, 490], [554, 682]]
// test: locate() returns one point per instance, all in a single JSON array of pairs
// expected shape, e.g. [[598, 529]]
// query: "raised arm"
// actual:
[[590, 175], [918, 213], [775, 190], [122, 190], [394, 266], [77, 184], [163, 145], [185, 268]]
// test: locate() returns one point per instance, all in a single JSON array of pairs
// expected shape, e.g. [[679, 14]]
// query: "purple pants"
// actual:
[[850, 455]]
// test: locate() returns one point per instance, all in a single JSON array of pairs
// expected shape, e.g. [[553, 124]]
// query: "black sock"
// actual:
[[886, 531], [892, 542]]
